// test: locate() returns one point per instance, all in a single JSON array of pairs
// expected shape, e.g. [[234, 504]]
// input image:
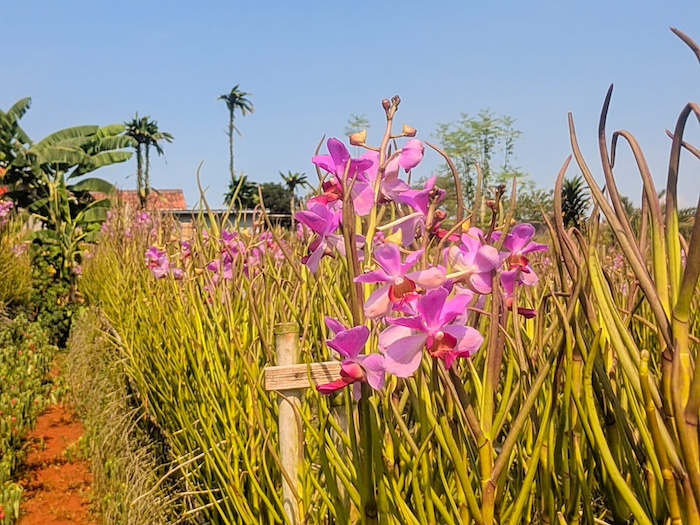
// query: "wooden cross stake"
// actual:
[[290, 379]]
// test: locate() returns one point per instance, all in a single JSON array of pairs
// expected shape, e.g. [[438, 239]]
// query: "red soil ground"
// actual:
[[57, 486]]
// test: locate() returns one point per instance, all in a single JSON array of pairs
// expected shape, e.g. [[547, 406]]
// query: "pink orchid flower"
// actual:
[[517, 245], [157, 261], [324, 222], [436, 328], [473, 263], [338, 163], [401, 283], [356, 367]]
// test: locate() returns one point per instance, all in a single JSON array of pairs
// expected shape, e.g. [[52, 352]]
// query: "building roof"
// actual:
[[164, 200]]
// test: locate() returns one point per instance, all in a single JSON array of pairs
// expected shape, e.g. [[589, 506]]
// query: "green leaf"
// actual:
[[110, 131], [56, 155], [94, 184], [68, 133], [93, 214], [117, 142]]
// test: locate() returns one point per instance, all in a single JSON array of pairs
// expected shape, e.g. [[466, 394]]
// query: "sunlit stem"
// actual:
[[399, 221]]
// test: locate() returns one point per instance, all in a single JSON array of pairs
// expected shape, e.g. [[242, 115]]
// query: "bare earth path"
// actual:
[[57, 486]]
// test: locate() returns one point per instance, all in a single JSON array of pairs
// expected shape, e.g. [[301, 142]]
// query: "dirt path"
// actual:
[[56, 484]]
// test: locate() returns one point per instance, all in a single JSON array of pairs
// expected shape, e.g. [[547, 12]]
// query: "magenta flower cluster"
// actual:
[[232, 254], [6, 207], [416, 309]]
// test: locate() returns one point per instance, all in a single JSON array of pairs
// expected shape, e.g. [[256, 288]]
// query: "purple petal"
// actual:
[[428, 279], [339, 154], [391, 334], [486, 259], [334, 325], [373, 365], [430, 306], [349, 343], [312, 220], [325, 162], [362, 198], [411, 154], [403, 357], [389, 258], [378, 304], [518, 238], [315, 258], [481, 282], [377, 276]]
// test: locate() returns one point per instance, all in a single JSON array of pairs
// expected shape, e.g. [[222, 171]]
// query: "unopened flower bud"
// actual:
[[440, 215], [409, 131], [491, 204], [396, 100], [359, 138], [386, 104]]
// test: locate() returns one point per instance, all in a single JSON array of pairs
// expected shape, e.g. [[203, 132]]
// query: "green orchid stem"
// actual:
[[603, 446]]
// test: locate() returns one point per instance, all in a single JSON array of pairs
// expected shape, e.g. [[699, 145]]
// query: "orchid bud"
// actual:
[[359, 138], [409, 131], [491, 204], [386, 104], [396, 100]]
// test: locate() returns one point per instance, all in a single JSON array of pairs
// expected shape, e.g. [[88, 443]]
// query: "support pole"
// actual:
[[287, 354]]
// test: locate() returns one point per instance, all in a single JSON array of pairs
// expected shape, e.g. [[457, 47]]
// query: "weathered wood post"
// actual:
[[290, 379], [287, 350]]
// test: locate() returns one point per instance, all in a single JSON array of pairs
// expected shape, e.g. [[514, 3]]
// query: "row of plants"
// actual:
[[26, 358], [123, 446], [490, 383]]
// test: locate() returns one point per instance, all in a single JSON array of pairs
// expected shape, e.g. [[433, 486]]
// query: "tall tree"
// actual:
[[487, 140], [236, 100], [576, 200], [293, 181], [146, 135]]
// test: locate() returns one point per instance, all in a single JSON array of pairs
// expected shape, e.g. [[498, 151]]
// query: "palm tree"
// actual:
[[576, 200], [293, 181], [146, 134], [235, 101]]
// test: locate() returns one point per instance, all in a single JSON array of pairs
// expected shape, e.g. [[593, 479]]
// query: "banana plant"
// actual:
[[48, 179]]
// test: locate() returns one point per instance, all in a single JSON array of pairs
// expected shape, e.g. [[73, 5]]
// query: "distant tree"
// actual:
[[531, 202], [576, 200], [487, 140], [275, 195], [147, 135], [244, 191], [356, 123], [236, 100], [293, 181]]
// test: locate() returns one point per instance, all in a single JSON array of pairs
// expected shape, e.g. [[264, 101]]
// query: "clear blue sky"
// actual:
[[311, 64]]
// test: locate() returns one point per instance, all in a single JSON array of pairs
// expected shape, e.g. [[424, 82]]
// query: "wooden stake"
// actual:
[[287, 349]]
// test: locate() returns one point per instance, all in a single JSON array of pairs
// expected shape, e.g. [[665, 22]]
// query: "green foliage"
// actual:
[[276, 197], [125, 455], [236, 101], [48, 179], [487, 140], [25, 361], [357, 123], [576, 201], [54, 296], [145, 135], [15, 266]]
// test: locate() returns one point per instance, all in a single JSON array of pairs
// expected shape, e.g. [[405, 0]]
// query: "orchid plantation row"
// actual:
[[489, 372]]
